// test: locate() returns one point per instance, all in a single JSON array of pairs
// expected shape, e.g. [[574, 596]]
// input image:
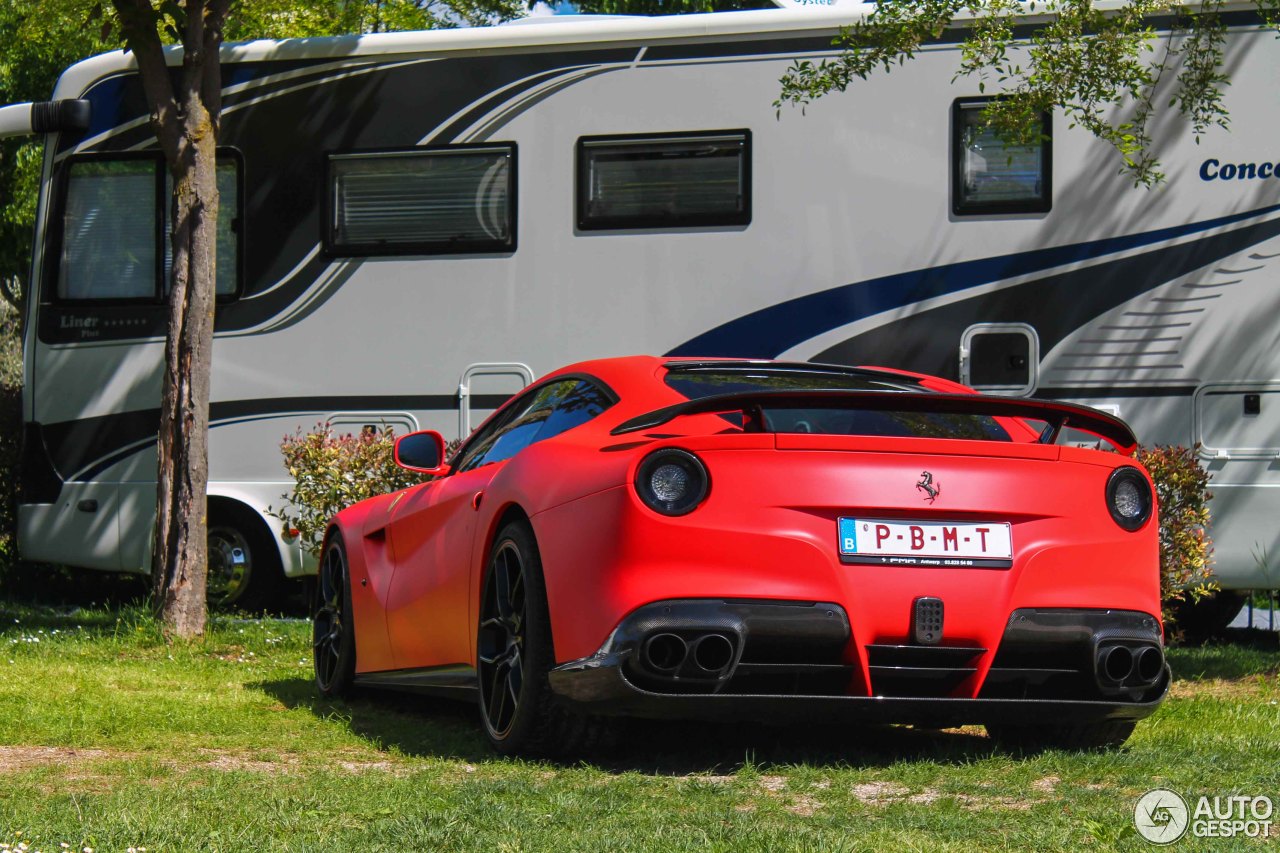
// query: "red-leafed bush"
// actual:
[[1182, 491], [332, 471]]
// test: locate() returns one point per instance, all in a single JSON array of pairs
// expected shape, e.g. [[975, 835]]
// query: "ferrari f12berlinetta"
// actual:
[[753, 540]]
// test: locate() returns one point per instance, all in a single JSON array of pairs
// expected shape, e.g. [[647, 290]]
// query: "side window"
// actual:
[[543, 413], [579, 404], [664, 181], [989, 177], [110, 226], [116, 221], [444, 200]]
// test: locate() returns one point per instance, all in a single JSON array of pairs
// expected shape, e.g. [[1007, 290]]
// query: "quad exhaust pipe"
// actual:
[[1128, 666], [703, 656]]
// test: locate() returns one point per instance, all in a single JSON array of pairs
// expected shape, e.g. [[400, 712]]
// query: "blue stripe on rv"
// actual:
[[771, 331]]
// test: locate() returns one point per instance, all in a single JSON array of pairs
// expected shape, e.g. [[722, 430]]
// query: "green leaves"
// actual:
[[1108, 72], [333, 471], [1182, 497]]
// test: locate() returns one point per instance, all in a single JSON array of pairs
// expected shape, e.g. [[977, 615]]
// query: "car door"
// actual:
[[433, 531]]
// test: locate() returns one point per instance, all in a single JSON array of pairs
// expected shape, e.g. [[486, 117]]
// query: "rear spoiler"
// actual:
[[1057, 415]]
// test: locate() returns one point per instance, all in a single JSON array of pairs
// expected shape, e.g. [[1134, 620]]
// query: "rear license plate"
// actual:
[[877, 542]]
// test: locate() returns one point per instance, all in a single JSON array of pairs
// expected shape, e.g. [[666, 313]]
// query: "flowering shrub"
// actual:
[[333, 471], [1182, 491]]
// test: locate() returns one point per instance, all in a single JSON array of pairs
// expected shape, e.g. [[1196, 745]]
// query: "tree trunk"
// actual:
[[185, 111], [180, 558]]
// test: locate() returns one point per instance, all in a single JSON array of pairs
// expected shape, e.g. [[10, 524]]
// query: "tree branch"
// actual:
[[138, 21]]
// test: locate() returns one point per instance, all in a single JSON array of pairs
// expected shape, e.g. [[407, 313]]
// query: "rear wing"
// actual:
[[1057, 415]]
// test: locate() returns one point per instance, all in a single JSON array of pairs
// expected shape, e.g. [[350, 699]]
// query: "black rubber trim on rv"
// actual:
[[60, 116]]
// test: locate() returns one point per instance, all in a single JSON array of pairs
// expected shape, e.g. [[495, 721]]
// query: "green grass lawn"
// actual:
[[111, 739]]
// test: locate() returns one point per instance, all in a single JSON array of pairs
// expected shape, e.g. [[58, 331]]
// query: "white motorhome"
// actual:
[[408, 216]]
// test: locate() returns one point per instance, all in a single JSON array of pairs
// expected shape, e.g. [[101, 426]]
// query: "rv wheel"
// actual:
[[244, 565]]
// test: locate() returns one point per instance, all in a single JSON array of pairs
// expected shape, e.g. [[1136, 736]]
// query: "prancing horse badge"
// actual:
[[927, 486]]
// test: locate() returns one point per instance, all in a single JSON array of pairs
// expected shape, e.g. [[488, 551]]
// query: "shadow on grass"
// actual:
[[41, 585], [1243, 655], [409, 723], [438, 728], [38, 596]]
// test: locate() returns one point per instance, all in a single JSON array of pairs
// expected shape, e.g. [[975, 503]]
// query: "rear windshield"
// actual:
[[696, 383]]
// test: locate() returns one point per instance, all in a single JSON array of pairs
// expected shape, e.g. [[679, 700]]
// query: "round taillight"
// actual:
[[672, 481], [1129, 498]]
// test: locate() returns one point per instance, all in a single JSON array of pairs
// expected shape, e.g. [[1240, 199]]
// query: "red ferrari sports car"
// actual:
[[728, 539]]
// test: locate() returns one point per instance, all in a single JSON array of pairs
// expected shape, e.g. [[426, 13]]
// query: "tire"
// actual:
[[244, 564], [514, 654], [1200, 621], [1108, 734], [333, 635]]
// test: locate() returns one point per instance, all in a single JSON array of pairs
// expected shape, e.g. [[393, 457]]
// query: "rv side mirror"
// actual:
[[422, 452]]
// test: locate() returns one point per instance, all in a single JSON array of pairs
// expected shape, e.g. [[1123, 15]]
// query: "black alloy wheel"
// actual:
[[332, 632], [502, 642], [514, 655]]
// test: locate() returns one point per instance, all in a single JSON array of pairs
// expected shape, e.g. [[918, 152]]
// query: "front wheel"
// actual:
[[514, 654], [1108, 734], [333, 637]]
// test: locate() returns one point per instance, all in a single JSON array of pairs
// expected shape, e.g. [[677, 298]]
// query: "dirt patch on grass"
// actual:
[[288, 765], [14, 759], [231, 762], [803, 805], [1254, 687], [772, 784], [1045, 785], [886, 793], [880, 793]]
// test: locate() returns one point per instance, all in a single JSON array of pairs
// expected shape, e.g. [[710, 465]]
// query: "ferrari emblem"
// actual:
[[927, 486]]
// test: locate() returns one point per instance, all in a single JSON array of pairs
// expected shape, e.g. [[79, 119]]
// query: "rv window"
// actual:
[[991, 177], [666, 181], [458, 199], [109, 231], [228, 264], [115, 214]]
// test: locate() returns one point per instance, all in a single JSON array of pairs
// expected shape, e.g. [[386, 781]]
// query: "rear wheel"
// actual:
[[332, 630], [1107, 734], [244, 564], [514, 655], [1199, 621]]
